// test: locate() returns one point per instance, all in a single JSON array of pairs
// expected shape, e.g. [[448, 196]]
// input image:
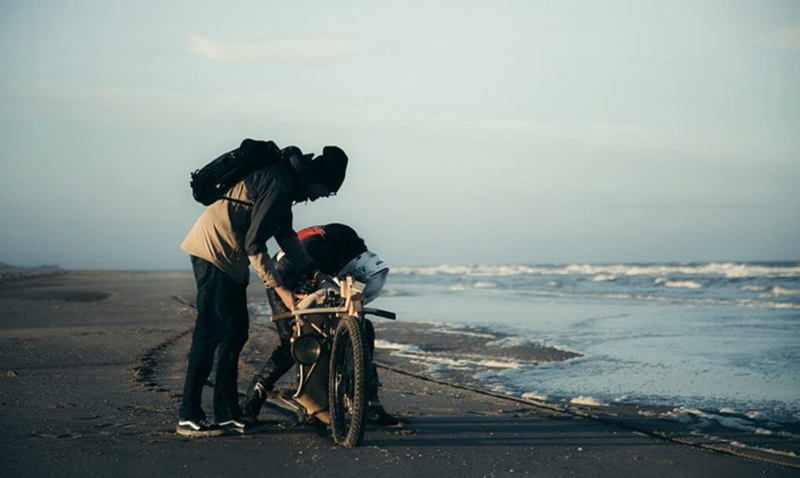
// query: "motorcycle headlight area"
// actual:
[[306, 349]]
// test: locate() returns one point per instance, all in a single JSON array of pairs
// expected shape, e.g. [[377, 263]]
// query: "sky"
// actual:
[[478, 132]]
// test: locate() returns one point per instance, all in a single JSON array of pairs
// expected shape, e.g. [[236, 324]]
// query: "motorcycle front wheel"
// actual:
[[346, 384]]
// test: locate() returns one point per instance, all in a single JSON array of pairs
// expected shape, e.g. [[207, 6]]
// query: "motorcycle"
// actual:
[[328, 344]]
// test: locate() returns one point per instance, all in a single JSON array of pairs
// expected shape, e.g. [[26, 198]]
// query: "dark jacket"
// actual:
[[331, 247]]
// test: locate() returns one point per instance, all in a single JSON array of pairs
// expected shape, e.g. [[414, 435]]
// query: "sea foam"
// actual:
[[432, 359], [678, 284], [535, 396], [655, 298], [688, 415], [604, 278], [586, 401], [731, 270], [460, 287], [778, 290]]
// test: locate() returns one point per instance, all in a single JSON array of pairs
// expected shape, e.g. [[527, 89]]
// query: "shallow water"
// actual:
[[714, 336]]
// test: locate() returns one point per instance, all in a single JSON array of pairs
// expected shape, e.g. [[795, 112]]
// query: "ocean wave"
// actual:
[[396, 293], [485, 285], [688, 415], [519, 341], [778, 290], [730, 270], [755, 288], [604, 278], [586, 401], [535, 396], [678, 284], [444, 329], [781, 305], [385, 344], [453, 362], [774, 291], [476, 285], [510, 341], [752, 303], [752, 422], [471, 270]]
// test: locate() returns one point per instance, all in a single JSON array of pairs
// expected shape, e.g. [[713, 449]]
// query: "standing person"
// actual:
[[333, 247], [230, 235]]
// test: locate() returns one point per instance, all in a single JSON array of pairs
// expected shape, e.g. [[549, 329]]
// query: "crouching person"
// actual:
[[337, 250]]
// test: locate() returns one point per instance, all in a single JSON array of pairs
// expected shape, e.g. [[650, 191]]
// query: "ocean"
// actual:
[[702, 336]]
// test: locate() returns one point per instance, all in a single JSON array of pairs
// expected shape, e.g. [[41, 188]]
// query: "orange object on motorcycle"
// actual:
[[303, 234]]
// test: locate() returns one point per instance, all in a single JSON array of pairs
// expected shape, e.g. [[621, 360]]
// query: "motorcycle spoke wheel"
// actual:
[[346, 386]]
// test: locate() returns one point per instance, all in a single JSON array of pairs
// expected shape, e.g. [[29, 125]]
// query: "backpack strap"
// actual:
[[238, 201]]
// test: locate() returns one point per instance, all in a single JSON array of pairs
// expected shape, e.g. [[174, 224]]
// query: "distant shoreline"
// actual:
[[13, 274]]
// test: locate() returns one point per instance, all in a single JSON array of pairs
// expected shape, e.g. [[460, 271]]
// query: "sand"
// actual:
[[92, 366]]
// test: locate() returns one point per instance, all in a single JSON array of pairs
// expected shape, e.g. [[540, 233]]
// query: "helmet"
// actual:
[[370, 269]]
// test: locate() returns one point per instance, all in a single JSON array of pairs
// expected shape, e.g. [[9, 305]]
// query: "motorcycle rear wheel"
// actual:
[[346, 384]]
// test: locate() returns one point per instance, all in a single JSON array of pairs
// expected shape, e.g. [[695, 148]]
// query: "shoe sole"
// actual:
[[198, 433], [246, 431]]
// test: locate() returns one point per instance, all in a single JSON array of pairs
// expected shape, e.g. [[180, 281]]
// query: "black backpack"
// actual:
[[215, 178]]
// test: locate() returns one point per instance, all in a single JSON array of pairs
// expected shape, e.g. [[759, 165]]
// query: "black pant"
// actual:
[[222, 323]]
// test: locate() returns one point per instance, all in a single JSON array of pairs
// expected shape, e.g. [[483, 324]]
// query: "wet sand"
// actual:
[[92, 370]]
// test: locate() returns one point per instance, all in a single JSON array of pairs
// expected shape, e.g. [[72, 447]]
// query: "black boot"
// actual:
[[377, 415], [278, 364], [256, 395]]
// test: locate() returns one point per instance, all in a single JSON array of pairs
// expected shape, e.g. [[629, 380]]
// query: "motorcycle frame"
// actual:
[[352, 291]]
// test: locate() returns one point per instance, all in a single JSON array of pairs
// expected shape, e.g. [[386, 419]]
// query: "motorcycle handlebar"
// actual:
[[380, 313], [332, 310]]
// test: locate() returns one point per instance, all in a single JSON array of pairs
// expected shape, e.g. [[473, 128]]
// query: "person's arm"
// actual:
[[301, 262], [288, 297], [272, 203]]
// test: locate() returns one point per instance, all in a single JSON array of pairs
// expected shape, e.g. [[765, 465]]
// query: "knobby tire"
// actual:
[[347, 384]]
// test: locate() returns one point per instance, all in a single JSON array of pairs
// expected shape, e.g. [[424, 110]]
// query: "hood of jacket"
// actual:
[[300, 165]]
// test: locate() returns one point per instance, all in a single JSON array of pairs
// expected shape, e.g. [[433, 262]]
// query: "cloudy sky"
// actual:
[[478, 132]]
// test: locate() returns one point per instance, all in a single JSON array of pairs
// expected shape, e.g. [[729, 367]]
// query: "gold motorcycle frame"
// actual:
[[329, 347]]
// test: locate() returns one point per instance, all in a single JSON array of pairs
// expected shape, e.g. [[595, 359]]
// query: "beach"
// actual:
[[92, 371]]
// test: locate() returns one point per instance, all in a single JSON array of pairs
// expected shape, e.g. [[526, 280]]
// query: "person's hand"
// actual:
[[287, 296]]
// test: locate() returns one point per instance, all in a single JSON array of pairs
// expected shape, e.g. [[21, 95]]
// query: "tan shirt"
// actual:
[[219, 234]]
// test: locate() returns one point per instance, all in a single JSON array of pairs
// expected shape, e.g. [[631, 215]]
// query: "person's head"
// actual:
[[327, 173]]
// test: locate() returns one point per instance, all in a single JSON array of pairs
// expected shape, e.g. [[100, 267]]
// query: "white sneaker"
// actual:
[[198, 428]]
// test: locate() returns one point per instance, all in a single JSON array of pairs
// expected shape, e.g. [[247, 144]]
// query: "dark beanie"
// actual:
[[329, 167]]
